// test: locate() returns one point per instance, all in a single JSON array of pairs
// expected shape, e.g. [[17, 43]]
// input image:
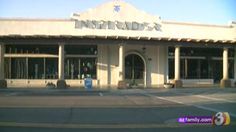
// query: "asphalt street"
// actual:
[[134, 110]]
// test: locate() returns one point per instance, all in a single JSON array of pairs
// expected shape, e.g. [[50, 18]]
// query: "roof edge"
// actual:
[[196, 24], [34, 19]]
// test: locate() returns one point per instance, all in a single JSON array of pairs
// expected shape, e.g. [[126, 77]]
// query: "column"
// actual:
[[121, 82], [61, 82], [3, 83], [225, 64], [61, 62], [235, 64], [167, 64], [178, 82], [121, 63], [225, 82], [108, 66]]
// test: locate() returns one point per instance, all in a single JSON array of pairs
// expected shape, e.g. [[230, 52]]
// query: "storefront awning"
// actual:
[[123, 38]]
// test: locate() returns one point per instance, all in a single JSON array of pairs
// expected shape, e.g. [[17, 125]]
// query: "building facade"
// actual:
[[116, 45]]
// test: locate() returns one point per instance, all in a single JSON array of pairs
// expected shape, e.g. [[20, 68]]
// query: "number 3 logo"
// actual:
[[219, 119]]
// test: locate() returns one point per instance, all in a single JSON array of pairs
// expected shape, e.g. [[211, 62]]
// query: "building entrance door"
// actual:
[[134, 70]]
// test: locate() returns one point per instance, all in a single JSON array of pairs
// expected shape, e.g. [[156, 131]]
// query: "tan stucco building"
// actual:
[[112, 44]]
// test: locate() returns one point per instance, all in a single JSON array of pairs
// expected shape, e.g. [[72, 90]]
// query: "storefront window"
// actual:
[[171, 65], [201, 63], [88, 67], [51, 65], [79, 68], [36, 68], [231, 68], [32, 49], [81, 61], [7, 67], [81, 49], [31, 68], [16, 68], [82, 65], [204, 69], [192, 68]]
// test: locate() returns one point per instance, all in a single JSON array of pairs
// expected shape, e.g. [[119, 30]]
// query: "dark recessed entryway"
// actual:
[[134, 70]]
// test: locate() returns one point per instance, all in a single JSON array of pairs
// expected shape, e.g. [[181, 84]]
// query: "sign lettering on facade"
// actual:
[[93, 24]]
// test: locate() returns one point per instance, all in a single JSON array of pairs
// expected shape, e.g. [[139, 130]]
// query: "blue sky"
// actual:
[[199, 11]]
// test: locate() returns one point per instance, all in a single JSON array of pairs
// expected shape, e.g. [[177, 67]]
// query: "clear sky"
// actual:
[[199, 11]]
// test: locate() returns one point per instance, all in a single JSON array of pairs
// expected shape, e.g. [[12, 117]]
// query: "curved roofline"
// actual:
[[69, 19]]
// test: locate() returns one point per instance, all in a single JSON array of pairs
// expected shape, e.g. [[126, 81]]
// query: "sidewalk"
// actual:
[[51, 91]]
